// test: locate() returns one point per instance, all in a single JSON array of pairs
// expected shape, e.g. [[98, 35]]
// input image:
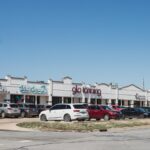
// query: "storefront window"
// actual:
[[113, 101], [119, 102], [76, 100], [56, 100], [99, 101], [137, 103], [67, 100], [93, 101], [30, 99], [16, 98]]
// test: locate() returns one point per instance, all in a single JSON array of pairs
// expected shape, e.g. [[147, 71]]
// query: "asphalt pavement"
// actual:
[[130, 139]]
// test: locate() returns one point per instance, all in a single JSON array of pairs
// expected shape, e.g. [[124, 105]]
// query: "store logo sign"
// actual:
[[140, 97], [86, 90], [33, 90]]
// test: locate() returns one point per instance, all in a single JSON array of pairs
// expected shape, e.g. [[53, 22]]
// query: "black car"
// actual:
[[28, 110], [147, 109], [134, 113], [42, 107]]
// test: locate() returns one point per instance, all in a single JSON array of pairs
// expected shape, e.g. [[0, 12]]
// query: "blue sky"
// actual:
[[88, 40]]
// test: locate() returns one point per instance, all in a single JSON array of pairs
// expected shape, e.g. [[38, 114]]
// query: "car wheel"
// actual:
[[67, 118], [3, 115], [43, 118], [22, 114], [106, 117]]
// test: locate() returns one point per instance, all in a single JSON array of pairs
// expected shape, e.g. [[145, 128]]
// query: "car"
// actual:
[[66, 112], [42, 107], [9, 110], [102, 112], [116, 107], [134, 113], [27, 110], [108, 108], [147, 110], [1, 111]]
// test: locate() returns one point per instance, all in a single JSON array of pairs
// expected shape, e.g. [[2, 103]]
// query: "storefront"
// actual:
[[20, 90]]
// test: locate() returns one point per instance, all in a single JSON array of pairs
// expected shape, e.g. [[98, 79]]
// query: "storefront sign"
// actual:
[[86, 90], [140, 97], [33, 90]]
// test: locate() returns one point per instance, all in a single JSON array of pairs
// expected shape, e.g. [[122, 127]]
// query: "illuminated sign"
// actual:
[[33, 90], [86, 90]]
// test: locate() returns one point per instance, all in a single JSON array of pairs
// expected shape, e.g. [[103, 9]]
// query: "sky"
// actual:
[[91, 41]]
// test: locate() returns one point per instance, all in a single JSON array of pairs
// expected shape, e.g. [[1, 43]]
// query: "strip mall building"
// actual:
[[19, 90]]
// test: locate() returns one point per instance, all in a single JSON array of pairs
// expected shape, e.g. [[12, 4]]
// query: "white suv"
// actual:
[[9, 110], [66, 112]]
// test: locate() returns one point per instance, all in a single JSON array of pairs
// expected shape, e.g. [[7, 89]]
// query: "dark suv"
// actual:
[[28, 110], [134, 113], [102, 112]]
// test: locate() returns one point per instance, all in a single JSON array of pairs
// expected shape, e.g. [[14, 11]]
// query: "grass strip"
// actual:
[[80, 126]]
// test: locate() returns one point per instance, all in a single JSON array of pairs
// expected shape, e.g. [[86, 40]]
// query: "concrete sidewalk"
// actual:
[[10, 123]]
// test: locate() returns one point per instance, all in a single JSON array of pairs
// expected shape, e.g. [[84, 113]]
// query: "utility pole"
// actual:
[[143, 84]]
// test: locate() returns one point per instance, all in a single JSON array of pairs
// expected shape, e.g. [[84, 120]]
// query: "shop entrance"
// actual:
[[56, 100], [38, 99], [136, 103]]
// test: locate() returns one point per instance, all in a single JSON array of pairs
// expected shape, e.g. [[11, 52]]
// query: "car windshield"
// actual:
[[140, 110], [106, 107], [48, 106], [40, 106], [20, 105], [147, 110], [79, 106], [27, 106], [32, 106], [13, 105]]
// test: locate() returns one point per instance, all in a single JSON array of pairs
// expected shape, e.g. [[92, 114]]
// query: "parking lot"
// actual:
[[137, 139], [13, 137]]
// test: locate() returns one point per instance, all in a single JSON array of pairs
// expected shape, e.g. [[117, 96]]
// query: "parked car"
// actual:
[[102, 112], [42, 107], [66, 112], [134, 113], [9, 110], [147, 110], [1, 111], [117, 108], [28, 110]]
